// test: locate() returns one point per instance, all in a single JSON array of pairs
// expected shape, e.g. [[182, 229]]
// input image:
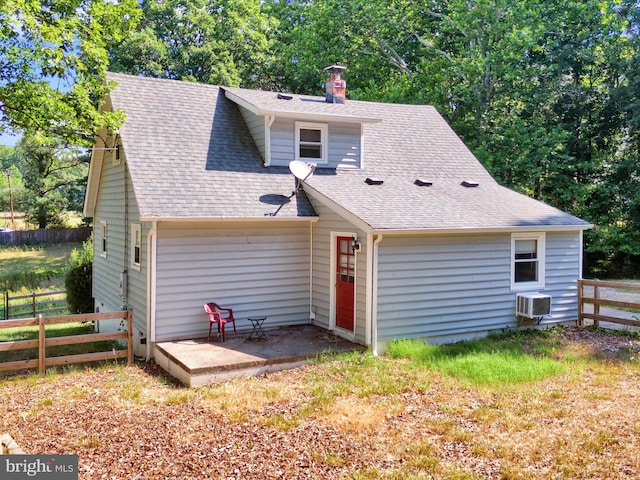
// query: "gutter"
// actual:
[[484, 230]]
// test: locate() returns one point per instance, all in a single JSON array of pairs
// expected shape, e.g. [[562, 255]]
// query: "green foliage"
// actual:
[[217, 42], [54, 179], [499, 359], [84, 256], [53, 62], [78, 279]]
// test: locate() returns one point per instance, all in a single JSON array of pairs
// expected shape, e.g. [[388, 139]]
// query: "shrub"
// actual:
[[78, 279]]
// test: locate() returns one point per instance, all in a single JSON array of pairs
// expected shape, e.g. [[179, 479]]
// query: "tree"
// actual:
[[53, 62], [220, 42], [55, 175], [10, 180], [78, 279]]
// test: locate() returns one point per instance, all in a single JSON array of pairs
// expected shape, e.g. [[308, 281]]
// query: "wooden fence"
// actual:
[[42, 342], [625, 312], [18, 306], [45, 235]]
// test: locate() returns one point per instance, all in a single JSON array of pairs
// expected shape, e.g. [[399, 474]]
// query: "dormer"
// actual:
[[327, 131]]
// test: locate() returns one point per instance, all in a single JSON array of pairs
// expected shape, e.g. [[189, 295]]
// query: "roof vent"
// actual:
[[373, 181], [469, 184], [423, 183], [335, 88]]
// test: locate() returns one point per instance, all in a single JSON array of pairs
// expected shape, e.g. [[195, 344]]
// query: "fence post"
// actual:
[[580, 303], [6, 305], [33, 304], [41, 348], [596, 307]]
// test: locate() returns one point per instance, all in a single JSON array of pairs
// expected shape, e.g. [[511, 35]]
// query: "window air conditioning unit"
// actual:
[[533, 305]]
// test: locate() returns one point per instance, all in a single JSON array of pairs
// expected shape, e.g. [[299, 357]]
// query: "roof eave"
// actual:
[[267, 218], [481, 230], [93, 178]]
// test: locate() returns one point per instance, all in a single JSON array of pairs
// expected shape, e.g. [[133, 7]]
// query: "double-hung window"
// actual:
[[527, 261], [311, 142], [103, 238], [136, 245]]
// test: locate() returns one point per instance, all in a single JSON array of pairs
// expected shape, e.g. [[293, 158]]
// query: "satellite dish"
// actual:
[[301, 170]]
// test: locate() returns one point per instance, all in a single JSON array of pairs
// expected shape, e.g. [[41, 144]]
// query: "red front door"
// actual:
[[345, 282]]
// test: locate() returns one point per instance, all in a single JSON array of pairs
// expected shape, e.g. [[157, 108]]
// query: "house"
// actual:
[[398, 233]]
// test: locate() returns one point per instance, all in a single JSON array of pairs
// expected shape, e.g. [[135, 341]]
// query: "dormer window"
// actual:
[[311, 142]]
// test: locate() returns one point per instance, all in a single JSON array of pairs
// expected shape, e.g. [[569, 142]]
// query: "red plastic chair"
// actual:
[[220, 316]]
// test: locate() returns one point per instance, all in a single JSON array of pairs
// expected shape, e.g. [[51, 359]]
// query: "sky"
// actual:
[[9, 140]]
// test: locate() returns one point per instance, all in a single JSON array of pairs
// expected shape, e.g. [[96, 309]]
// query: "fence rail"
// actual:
[[55, 302], [45, 235], [621, 308], [42, 342]]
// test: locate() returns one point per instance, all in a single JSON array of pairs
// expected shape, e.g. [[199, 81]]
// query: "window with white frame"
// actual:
[[527, 261], [103, 238], [311, 142], [136, 245]]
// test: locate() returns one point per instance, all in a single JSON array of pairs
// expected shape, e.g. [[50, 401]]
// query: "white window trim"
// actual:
[[135, 229], [324, 136], [540, 238], [103, 238]]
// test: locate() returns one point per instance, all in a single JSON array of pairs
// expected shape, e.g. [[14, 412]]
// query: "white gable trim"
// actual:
[[313, 117]]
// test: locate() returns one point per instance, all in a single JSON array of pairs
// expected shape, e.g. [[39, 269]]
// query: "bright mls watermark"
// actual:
[[50, 467]]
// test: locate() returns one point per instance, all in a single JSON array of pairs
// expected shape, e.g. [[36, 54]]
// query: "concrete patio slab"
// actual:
[[199, 362]]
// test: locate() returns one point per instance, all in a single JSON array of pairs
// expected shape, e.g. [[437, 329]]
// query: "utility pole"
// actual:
[[13, 220]]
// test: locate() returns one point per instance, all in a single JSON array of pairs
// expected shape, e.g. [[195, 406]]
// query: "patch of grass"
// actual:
[[509, 358], [362, 375], [26, 268]]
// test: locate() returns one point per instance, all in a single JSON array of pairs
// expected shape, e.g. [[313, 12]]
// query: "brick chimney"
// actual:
[[335, 88]]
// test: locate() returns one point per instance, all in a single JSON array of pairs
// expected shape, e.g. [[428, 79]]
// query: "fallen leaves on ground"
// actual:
[[136, 423]]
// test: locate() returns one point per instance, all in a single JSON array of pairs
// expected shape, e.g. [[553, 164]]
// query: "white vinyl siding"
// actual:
[[114, 206], [447, 288], [343, 149], [109, 212], [255, 270]]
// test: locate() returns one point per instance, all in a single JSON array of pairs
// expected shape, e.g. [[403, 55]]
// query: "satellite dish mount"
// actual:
[[301, 171]]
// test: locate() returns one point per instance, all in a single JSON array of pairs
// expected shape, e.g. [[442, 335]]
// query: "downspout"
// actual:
[[374, 296], [369, 290], [151, 286], [580, 263], [312, 314]]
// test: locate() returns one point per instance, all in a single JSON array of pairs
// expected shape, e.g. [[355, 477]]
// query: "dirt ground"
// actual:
[[135, 423]]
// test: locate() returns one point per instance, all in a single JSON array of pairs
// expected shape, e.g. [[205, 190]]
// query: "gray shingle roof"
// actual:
[[191, 155], [413, 142]]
